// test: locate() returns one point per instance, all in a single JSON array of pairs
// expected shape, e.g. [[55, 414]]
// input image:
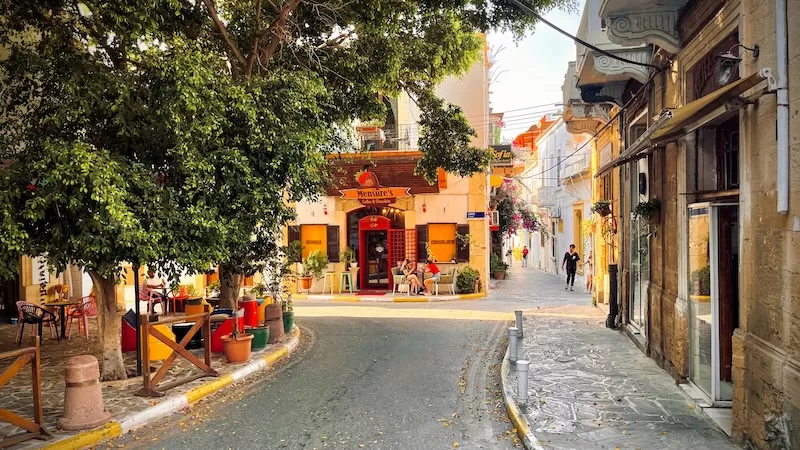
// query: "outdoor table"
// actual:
[[63, 306]]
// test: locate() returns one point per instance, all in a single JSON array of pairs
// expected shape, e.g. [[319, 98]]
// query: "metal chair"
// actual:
[[35, 315], [398, 279]]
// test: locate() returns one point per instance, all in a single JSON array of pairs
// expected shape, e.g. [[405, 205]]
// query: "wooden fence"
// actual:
[[32, 429]]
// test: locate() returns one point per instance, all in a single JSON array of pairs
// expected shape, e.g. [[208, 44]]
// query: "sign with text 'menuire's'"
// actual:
[[377, 195]]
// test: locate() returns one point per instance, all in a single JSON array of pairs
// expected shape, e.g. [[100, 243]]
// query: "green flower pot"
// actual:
[[260, 337], [288, 321]]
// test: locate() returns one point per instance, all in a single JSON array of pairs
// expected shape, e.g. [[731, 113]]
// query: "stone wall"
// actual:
[[767, 347]]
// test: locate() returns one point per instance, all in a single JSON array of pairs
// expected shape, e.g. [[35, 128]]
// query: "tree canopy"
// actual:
[[179, 132]]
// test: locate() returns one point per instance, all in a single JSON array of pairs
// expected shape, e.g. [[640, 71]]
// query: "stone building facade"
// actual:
[[708, 286]]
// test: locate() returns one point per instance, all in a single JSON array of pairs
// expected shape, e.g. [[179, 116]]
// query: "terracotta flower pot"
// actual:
[[237, 350], [499, 275], [305, 282], [603, 211]]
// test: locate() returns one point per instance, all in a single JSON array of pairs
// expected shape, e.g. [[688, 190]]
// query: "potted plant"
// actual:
[[287, 308], [468, 280], [498, 267], [237, 346], [348, 257], [213, 288], [648, 212], [313, 267], [602, 207]]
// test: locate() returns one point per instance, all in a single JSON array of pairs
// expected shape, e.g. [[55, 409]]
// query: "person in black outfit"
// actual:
[[571, 259]]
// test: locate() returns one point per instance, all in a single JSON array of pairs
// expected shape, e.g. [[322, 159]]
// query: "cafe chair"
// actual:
[[153, 298], [398, 279], [35, 315], [82, 312], [450, 279]]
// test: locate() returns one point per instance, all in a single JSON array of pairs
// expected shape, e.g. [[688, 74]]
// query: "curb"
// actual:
[[384, 299], [173, 404], [519, 420]]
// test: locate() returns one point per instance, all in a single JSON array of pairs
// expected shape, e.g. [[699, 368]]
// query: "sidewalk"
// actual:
[[128, 411], [389, 297], [589, 386]]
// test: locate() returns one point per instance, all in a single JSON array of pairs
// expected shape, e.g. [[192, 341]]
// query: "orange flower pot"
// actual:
[[305, 282], [237, 350]]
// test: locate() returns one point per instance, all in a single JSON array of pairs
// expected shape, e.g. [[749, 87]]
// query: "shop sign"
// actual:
[[371, 193], [476, 215], [502, 154]]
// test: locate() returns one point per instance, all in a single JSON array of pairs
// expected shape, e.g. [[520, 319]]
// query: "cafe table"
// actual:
[[62, 305]]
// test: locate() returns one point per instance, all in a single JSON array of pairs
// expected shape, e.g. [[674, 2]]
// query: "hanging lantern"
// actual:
[[424, 207], [325, 209]]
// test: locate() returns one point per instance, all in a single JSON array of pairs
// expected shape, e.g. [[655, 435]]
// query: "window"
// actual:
[[728, 155], [442, 239], [462, 253], [333, 243], [422, 239], [314, 237], [294, 235]]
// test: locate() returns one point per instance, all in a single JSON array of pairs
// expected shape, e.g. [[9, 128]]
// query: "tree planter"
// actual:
[[288, 321], [237, 350], [305, 282], [273, 319], [499, 275], [260, 337]]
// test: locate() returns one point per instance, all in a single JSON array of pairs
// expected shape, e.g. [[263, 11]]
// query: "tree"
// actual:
[[177, 133]]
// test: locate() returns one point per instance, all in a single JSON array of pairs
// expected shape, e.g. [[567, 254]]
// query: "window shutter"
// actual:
[[462, 250], [422, 238], [294, 235], [333, 243]]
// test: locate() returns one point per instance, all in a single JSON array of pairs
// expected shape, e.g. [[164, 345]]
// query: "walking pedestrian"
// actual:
[[525, 256], [571, 259], [589, 273]]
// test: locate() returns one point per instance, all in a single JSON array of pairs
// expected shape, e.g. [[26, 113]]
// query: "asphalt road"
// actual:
[[360, 382]]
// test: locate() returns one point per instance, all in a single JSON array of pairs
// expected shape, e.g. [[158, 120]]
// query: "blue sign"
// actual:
[[476, 215]]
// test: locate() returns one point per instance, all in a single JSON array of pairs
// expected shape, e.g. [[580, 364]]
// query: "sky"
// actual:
[[531, 72]]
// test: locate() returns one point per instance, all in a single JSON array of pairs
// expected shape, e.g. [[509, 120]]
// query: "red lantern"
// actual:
[[424, 207], [325, 209]]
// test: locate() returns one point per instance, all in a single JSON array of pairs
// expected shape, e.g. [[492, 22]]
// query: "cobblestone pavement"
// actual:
[[118, 396], [591, 387]]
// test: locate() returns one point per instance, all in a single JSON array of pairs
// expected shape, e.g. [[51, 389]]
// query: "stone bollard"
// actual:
[[519, 323], [512, 345], [83, 396], [522, 381]]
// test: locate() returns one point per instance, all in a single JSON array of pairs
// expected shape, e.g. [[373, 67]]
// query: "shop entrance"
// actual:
[[376, 267]]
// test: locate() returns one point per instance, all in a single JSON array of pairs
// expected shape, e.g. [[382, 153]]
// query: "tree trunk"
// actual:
[[230, 284], [109, 321]]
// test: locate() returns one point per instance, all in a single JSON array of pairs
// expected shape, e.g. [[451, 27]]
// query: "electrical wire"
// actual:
[[527, 10]]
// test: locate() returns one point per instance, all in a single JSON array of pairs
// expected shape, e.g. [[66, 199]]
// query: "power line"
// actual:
[[576, 39]]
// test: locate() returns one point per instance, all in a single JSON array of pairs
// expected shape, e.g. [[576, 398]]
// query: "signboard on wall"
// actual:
[[41, 276], [476, 215], [502, 155], [371, 193]]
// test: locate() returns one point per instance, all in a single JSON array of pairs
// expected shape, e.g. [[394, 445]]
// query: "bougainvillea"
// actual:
[[515, 213]]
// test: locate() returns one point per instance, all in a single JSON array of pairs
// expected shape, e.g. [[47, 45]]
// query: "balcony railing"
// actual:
[[580, 165], [390, 137], [546, 196]]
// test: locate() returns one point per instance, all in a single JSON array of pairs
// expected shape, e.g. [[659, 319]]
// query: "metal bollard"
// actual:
[[522, 380], [519, 323], [512, 344]]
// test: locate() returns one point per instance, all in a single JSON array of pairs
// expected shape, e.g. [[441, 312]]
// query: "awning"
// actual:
[[673, 123]]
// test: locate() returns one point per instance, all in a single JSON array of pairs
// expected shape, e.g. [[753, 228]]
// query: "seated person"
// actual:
[[156, 285], [409, 269], [437, 274]]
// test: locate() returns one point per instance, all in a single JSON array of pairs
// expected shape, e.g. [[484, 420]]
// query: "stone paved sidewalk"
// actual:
[[590, 387], [118, 396]]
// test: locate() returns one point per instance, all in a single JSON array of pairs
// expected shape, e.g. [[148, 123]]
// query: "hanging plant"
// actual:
[[602, 207], [648, 211]]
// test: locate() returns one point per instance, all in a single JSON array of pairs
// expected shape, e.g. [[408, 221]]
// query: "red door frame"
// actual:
[[366, 224]]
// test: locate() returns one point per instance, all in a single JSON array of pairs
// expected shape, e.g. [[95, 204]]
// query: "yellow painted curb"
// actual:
[[89, 438], [410, 300], [351, 299], [519, 423], [209, 388], [300, 296], [274, 357], [476, 296]]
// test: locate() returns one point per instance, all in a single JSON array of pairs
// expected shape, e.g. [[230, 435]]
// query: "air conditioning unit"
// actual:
[[495, 218]]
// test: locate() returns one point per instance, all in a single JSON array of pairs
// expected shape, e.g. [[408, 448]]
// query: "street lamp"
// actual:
[[728, 62]]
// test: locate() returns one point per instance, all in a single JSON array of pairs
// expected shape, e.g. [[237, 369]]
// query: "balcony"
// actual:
[[578, 166], [389, 137], [637, 22], [600, 77], [546, 197], [579, 116]]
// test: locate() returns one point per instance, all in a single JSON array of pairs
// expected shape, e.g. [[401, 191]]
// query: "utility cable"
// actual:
[[532, 13]]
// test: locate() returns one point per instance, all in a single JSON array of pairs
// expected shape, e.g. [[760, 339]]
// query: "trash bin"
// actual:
[[250, 312]]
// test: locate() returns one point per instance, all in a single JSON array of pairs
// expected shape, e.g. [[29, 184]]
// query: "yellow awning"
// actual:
[[673, 123], [495, 181], [691, 112]]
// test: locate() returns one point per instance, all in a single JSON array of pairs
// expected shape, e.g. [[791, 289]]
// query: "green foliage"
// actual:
[[496, 264], [347, 256], [513, 211], [647, 209], [463, 240], [259, 289], [465, 282], [701, 281], [601, 207], [315, 264], [214, 286]]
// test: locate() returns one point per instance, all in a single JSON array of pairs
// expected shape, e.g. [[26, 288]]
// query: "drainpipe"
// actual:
[[782, 39]]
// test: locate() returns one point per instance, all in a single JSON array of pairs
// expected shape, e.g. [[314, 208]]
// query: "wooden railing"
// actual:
[[201, 321], [35, 429]]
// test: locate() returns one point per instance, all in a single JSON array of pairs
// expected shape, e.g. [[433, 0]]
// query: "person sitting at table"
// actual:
[[409, 269], [154, 284], [437, 274]]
